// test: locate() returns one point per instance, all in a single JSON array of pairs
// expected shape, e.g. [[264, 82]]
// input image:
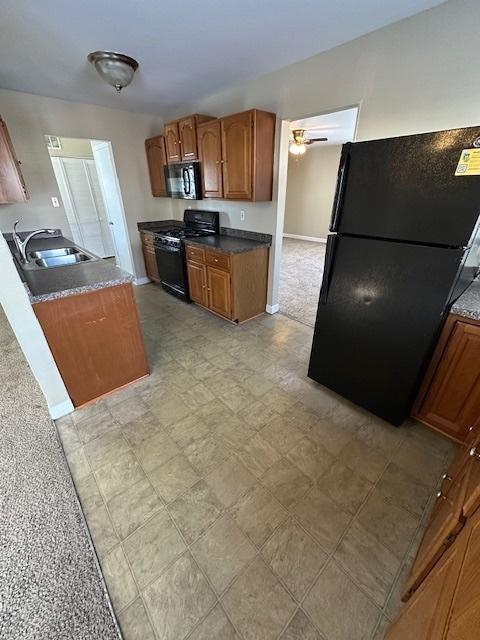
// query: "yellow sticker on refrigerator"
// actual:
[[469, 163]]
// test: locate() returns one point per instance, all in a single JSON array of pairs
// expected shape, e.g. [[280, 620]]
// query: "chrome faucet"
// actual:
[[22, 244]]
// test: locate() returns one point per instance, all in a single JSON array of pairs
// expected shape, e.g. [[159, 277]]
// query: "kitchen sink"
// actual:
[[54, 253], [62, 260]]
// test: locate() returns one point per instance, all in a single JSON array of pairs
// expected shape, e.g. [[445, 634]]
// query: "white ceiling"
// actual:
[[186, 50], [338, 127]]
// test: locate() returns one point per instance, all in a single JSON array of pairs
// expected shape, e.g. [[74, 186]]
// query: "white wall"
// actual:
[[414, 76], [17, 308], [29, 117], [311, 189]]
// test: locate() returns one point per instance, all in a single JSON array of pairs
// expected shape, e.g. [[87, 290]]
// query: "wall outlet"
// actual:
[[242, 215], [55, 202]]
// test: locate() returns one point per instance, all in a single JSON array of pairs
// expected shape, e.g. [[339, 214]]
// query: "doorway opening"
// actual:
[[314, 148], [88, 185]]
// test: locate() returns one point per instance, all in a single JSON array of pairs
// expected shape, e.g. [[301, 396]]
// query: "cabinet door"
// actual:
[[425, 615], [12, 185], [210, 155], [188, 138], [172, 140], [157, 159], [446, 521], [237, 156], [464, 618], [219, 299], [452, 403], [197, 282], [150, 259]]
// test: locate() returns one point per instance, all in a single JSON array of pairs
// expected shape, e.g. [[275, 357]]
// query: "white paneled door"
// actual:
[[84, 205]]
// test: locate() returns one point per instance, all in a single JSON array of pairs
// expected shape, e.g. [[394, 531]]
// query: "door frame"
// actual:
[[112, 196], [281, 196]]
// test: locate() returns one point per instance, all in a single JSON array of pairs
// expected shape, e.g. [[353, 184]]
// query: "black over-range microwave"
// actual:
[[183, 180]]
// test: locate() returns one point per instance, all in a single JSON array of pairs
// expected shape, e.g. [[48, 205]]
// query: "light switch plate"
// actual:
[[242, 215], [55, 202]]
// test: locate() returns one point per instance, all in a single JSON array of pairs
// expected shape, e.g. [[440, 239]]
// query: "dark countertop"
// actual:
[[59, 282], [468, 304], [227, 244], [158, 225]]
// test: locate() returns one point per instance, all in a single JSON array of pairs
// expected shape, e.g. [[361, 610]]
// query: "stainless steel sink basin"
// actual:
[[62, 260], [53, 253]]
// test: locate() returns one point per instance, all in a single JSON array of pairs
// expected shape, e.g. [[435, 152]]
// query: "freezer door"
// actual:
[[379, 320], [405, 189]]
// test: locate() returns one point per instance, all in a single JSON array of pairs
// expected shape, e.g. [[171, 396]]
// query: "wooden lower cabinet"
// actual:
[[449, 399], [149, 257], [95, 339], [197, 280], [443, 592], [233, 286], [218, 287]]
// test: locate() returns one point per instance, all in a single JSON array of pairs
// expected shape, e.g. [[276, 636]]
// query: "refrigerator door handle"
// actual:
[[341, 180], [328, 268]]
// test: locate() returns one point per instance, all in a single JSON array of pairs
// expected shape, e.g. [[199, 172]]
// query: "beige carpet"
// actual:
[[300, 279]]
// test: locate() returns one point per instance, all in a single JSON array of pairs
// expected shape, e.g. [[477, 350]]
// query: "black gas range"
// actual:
[[170, 249]]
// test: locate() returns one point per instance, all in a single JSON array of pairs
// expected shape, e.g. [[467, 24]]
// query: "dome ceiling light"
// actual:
[[298, 143], [115, 68]]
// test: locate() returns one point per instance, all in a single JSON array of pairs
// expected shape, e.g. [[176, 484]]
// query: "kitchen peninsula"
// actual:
[[87, 310]]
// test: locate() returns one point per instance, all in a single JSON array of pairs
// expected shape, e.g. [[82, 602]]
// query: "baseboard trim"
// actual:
[[60, 410], [142, 280], [272, 308], [309, 238]]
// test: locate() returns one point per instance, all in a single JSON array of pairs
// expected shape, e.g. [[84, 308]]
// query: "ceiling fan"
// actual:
[[298, 143]]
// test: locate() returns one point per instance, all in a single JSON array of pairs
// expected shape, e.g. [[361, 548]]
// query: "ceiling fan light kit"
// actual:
[[298, 145], [115, 68]]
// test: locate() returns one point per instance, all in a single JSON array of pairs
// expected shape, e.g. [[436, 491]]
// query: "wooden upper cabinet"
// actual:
[[247, 155], [210, 156], [237, 148], [452, 402], [172, 142], [157, 159], [188, 138], [181, 138], [12, 184]]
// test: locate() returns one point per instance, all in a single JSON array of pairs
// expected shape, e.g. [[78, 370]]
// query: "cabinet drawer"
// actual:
[[195, 253], [217, 259]]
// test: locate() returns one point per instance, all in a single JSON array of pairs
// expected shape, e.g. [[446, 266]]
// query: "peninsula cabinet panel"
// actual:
[[157, 159], [210, 156], [172, 142], [452, 401], [12, 185], [96, 340]]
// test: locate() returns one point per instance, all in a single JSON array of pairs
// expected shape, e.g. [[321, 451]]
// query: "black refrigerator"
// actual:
[[404, 244]]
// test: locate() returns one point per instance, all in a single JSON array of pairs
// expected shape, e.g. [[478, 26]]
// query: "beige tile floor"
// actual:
[[229, 497]]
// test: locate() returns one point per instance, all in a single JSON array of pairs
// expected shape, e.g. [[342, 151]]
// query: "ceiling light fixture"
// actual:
[[298, 143], [115, 68]]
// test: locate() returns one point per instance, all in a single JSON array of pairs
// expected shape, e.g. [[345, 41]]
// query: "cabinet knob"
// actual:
[[446, 477], [441, 496], [474, 452], [216, 259]]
